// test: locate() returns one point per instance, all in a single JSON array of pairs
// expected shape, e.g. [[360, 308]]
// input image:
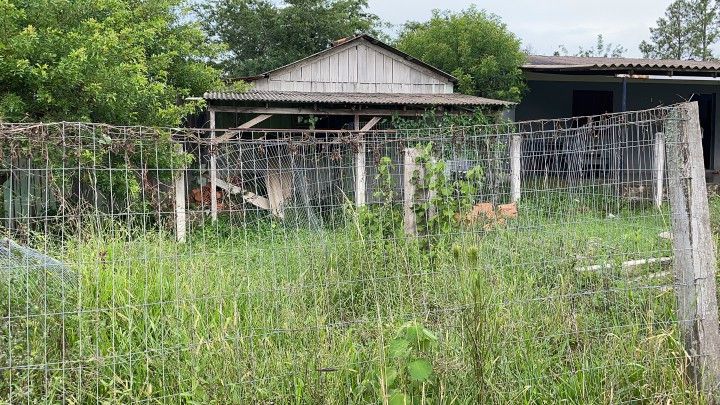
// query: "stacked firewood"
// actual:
[[201, 197]]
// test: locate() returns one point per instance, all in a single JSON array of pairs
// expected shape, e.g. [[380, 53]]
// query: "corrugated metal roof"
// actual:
[[575, 63], [354, 98], [349, 41]]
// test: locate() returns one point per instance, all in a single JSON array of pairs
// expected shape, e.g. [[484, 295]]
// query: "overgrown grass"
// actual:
[[263, 313]]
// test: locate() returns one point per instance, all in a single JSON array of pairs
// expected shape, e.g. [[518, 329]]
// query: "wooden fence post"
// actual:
[[659, 167], [213, 169], [694, 249], [360, 173], [410, 167], [180, 201], [515, 167]]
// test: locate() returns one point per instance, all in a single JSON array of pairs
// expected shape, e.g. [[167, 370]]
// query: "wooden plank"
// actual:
[[515, 167], [353, 65], [625, 265], [248, 196], [229, 135], [334, 61], [370, 124], [693, 246], [343, 67], [279, 188], [180, 201], [379, 68], [213, 169], [362, 64], [659, 167], [410, 169]]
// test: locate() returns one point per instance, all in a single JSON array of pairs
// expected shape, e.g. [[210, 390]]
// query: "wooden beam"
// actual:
[[226, 137], [325, 111], [248, 196], [369, 125]]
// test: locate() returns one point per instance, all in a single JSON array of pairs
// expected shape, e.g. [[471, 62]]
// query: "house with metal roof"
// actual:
[[357, 79], [565, 86]]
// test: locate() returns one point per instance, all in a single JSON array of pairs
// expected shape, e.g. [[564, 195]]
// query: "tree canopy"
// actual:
[[601, 49], [688, 30], [262, 34], [111, 61], [474, 46]]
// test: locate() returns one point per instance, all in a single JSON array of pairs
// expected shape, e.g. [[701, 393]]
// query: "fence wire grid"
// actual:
[[521, 262]]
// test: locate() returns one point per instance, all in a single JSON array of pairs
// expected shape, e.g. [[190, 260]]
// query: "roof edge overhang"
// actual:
[[575, 70]]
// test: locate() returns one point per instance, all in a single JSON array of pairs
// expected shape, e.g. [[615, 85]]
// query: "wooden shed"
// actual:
[[354, 86], [353, 81]]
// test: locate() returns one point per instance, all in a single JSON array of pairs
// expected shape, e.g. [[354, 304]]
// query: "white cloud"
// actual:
[[544, 25]]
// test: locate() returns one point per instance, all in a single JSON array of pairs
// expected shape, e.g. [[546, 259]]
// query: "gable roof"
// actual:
[[576, 64], [345, 42]]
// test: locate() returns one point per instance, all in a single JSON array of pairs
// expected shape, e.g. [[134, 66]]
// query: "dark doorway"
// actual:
[[706, 105], [591, 102]]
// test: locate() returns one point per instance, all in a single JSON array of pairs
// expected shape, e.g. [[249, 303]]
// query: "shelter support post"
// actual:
[[360, 160]]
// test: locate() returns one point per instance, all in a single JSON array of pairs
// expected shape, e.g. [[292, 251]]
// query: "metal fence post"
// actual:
[[694, 249]]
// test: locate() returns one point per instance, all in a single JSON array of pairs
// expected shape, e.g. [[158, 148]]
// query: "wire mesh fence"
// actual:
[[525, 262]]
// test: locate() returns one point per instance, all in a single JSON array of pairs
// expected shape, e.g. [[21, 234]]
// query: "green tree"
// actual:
[[706, 30], [111, 61], [687, 31], [601, 49], [262, 34], [475, 46]]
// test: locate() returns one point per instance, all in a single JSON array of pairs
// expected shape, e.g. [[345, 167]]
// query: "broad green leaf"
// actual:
[[398, 398], [399, 348], [390, 376], [420, 370]]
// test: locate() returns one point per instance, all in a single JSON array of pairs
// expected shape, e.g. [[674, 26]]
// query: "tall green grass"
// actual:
[[264, 313]]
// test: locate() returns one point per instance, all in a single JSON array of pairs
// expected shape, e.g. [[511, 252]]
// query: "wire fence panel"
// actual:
[[527, 262]]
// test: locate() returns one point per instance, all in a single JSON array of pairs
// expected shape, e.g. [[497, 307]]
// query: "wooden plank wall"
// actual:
[[359, 67]]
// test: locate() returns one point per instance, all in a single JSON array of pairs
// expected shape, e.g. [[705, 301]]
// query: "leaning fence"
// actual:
[[533, 262]]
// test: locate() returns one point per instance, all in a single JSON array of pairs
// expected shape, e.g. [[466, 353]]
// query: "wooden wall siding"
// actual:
[[360, 67]]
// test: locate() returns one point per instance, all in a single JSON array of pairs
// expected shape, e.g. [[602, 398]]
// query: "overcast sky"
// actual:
[[544, 24]]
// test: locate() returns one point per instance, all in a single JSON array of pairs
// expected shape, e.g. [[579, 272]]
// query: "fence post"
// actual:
[[213, 169], [515, 167], [360, 174], [180, 201], [694, 251], [659, 161], [410, 167]]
